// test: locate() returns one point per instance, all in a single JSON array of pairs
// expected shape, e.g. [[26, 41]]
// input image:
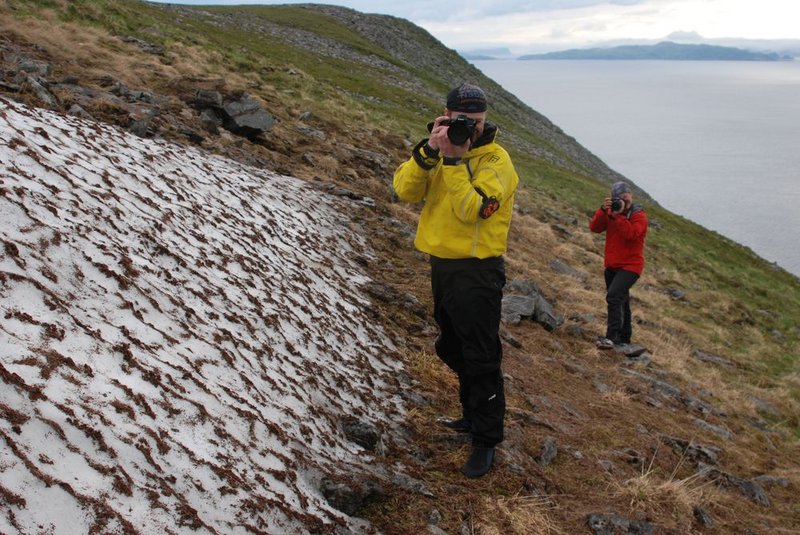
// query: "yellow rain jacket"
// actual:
[[468, 204]]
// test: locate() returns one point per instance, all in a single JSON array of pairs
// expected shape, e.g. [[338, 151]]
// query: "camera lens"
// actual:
[[458, 133]]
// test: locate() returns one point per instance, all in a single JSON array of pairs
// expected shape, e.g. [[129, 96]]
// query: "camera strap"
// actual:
[[490, 204]]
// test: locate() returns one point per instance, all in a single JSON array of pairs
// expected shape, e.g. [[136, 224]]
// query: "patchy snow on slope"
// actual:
[[180, 338]]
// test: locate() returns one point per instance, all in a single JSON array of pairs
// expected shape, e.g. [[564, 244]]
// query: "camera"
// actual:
[[459, 129], [617, 204]]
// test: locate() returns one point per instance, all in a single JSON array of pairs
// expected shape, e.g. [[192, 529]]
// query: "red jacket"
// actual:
[[625, 235]]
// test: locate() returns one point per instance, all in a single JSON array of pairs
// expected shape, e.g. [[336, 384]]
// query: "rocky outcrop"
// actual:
[[523, 300]]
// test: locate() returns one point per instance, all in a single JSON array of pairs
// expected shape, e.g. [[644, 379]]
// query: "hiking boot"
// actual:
[[604, 343], [462, 425], [479, 462]]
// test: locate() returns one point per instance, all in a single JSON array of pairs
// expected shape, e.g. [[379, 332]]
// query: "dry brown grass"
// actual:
[[617, 396], [670, 499], [427, 365], [522, 515], [92, 53]]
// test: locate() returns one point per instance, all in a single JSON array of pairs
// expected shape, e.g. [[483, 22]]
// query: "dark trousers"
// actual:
[[467, 300], [618, 298]]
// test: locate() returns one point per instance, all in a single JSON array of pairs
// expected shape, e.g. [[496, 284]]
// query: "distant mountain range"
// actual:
[[666, 50], [487, 53]]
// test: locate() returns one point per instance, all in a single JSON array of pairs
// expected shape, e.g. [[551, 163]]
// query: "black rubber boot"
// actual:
[[462, 425], [479, 462]]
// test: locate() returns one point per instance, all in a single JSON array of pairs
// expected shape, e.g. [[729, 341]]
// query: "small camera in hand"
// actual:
[[617, 204], [460, 129]]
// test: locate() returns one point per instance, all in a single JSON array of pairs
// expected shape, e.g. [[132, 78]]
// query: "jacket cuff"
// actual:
[[424, 159]]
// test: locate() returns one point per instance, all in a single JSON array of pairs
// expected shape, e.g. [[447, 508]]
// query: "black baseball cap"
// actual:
[[466, 98]]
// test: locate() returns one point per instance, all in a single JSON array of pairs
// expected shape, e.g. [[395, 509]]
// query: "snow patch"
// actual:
[[179, 337]]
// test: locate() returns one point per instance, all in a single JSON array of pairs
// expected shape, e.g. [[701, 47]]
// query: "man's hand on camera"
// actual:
[[441, 142], [606, 206]]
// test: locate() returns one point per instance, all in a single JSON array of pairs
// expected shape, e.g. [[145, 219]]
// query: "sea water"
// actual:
[[717, 142]]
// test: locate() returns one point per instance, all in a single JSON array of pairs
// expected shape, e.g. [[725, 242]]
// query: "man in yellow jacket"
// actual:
[[467, 182]]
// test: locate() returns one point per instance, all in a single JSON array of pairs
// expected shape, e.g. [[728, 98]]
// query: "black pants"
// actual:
[[618, 298], [467, 300]]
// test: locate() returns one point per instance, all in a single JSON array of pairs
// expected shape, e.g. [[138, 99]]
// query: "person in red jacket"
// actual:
[[625, 225]]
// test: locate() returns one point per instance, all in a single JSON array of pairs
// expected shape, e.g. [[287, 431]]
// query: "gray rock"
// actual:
[[142, 96], [607, 465], [245, 117], [698, 453], [41, 92], [613, 524], [119, 89], [351, 496], [583, 318], [600, 386], [309, 159], [561, 230], [703, 517], [144, 46], [36, 68], [653, 402], [416, 486], [516, 307], [529, 418], [558, 216], [211, 120], [765, 406], [142, 127], [525, 301], [522, 287], [629, 350], [676, 293], [205, 98], [312, 133], [390, 294], [546, 316], [661, 386], [364, 434], [77, 111], [712, 358], [643, 360], [576, 330], [434, 517], [748, 487], [548, 453], [559, 266], [12, 88], [510, 339], [717, 430], [674, 392]]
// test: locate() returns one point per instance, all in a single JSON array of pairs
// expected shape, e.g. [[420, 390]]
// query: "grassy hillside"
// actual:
[[366, 85]]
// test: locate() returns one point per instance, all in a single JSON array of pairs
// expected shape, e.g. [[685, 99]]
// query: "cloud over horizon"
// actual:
[[528, 25]]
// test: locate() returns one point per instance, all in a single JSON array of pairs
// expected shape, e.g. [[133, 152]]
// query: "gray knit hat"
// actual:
[[618, 188]]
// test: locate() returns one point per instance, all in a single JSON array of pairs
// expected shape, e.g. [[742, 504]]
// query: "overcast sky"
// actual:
[[528, 25]]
